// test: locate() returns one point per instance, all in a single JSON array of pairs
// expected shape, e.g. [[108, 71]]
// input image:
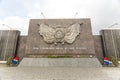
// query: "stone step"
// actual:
[[60, 62]]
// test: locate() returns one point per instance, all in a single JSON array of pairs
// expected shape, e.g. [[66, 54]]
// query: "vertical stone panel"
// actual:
[[111, 40], [8, 43]]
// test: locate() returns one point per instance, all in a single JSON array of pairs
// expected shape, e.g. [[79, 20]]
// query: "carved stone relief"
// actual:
[[59, 34]]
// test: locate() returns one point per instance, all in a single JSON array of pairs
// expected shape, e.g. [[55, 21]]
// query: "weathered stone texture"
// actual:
[[111, 40], [21, 46], [8, 43], [99, 47], [84, 43]]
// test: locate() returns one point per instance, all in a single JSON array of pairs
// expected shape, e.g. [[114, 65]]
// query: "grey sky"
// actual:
[[16, 13]]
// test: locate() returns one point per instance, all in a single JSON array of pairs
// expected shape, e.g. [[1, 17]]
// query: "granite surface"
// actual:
[[83, 44]]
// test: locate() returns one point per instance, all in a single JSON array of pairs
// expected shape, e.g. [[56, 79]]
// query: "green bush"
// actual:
[[114, 61], [9, 61]]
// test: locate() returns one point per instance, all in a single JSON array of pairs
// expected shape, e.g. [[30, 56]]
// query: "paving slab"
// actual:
[[59, 73]]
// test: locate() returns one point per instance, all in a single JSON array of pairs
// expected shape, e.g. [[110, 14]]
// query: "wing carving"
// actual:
[[47, 32], [72, 32], [59, 34]]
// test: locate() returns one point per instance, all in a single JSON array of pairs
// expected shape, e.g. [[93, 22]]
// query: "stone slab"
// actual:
[[8, 43], [111, 42], [59, 73], [83, 44], [60, 62]]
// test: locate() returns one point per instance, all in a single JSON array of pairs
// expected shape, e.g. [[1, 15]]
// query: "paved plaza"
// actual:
[[59, 73]]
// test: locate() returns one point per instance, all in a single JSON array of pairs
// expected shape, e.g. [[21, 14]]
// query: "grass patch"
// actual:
[[59, 56]]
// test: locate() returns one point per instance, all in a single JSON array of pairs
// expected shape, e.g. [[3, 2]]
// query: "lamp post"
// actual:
[[113, 25], [75, 14], [43, 15], [8, 26]]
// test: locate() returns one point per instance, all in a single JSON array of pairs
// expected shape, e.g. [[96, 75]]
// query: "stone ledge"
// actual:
[[3, 62], [60, 62]]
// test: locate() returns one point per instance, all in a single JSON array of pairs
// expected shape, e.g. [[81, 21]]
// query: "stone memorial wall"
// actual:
[[60, 37]]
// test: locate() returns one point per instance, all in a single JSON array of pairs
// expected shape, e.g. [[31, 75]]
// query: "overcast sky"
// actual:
[[16, 13]]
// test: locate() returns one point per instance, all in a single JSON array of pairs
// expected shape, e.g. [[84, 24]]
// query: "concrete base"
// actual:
[[60, 62]]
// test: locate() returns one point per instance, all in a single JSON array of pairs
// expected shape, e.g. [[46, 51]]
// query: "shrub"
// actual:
[[52, 56], [9, 61], [114, 61]]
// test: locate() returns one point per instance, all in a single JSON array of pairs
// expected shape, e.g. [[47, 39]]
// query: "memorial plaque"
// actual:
[[60, 37]]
